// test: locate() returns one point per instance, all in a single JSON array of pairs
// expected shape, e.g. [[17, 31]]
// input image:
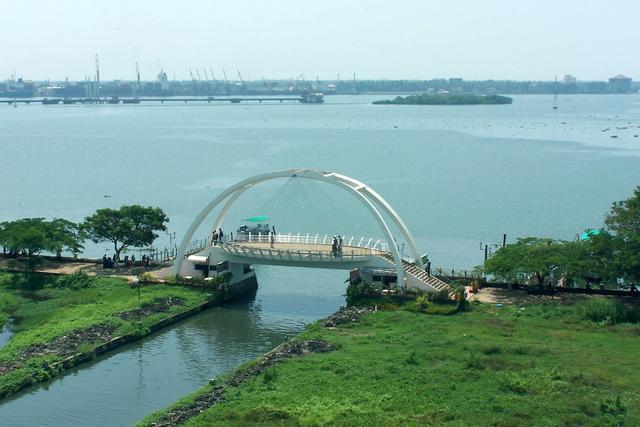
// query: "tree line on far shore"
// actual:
[[599, 256], [446, 99], [129, 226]]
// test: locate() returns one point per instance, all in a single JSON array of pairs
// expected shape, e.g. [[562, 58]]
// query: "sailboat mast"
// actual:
[[555, 93]]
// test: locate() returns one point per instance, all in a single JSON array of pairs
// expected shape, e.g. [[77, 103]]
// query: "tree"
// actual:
[[528, 257], [623, 222], [590, 260], [35, 235], [129, 226]]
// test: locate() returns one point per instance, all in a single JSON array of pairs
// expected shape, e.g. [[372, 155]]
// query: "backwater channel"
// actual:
[[458, 175]]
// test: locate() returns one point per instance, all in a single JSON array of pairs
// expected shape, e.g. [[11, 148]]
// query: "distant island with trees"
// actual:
[[446, 99]]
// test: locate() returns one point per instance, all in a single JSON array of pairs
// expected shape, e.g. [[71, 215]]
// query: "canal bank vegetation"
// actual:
[[446, 99], [54, 317], [548, 364]]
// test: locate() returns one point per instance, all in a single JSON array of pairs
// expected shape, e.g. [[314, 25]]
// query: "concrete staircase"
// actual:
[[421, 275]]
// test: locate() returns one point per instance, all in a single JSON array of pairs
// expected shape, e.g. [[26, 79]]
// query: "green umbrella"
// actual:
[[258, 218], [589, 233]]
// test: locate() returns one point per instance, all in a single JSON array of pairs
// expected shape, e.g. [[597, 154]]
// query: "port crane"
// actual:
[[138, 77], [97, 78]]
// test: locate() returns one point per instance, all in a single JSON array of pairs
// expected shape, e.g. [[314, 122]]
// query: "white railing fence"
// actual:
[[312, 239]]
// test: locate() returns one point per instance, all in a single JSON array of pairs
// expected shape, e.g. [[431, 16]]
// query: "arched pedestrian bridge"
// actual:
[[373, 259]]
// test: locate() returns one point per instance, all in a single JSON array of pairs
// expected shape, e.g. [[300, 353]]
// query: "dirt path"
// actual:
[[519, 297]]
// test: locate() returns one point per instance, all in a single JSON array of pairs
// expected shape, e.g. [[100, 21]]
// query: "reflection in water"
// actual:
[[147, 375]]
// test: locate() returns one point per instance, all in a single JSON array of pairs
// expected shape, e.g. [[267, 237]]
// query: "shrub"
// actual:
[[440, 296], [358, 291], [77, 280], [613, 407], [607, 310], [270, 374]]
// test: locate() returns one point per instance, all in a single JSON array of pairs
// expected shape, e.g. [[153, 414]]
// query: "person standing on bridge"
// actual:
[[334, 247], [220, 235], [272, 239]]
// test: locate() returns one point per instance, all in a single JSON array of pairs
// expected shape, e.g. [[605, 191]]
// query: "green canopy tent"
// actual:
[[259, 218], [589, 233]]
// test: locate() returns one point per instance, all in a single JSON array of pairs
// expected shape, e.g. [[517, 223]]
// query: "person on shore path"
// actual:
[[427, 268], [133, 259], [104, 261]]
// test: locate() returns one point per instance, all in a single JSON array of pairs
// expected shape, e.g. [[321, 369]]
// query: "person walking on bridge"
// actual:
[[334, 247], [272, 239]]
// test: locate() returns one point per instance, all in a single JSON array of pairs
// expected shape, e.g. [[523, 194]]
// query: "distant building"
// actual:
[[620, 83], [569, 79]]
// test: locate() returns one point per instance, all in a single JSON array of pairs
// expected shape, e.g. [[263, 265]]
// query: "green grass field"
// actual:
[[43, 308], [536, 365]]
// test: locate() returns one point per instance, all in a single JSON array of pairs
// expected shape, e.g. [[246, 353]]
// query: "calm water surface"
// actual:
[[457, 175]]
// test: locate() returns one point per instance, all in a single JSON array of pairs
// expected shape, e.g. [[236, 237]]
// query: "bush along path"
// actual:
[[60, 321]]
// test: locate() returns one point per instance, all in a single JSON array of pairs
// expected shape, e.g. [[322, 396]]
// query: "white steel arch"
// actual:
[[367, 196]]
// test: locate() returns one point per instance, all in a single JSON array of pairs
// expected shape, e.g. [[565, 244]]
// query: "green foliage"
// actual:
[[529, 256], [613, 407], [447, 99], [35, 235], [440, 297], [358, 291], [129, 226], [539, 366], [270, 374], [608, 310], [623, 221], [44, 307], [77, 280]]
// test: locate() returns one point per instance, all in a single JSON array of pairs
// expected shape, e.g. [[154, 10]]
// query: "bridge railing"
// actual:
[[313, 239], [306, 255]]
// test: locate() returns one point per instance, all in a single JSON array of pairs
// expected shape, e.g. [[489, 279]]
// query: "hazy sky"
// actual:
[[411, 39]]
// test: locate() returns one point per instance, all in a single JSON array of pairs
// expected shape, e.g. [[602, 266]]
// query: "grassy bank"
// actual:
[[536, 365], [54, 317]]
